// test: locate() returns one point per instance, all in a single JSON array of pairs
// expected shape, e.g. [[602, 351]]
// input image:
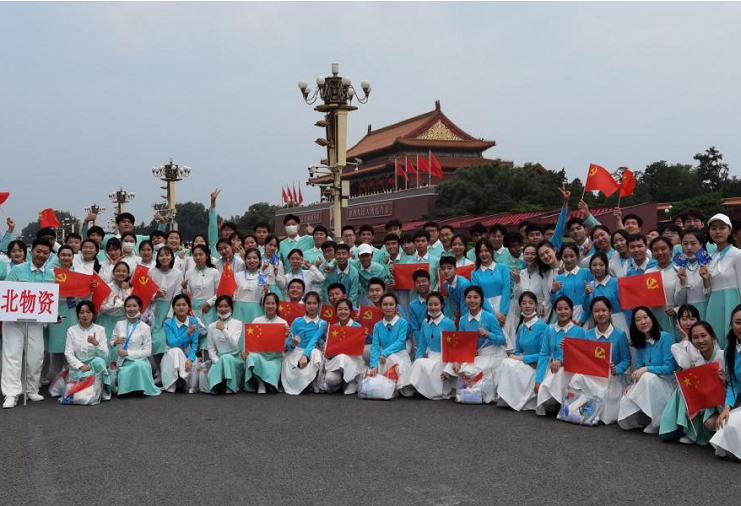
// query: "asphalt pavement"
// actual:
[[337, 450]]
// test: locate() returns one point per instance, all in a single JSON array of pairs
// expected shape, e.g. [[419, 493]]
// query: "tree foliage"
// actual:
[[256, 213]]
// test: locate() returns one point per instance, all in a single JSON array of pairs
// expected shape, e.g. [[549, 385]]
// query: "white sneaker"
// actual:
[[649, 429], [352, 388], [35, 397], [10, 402], [105, 396], [686, 441]]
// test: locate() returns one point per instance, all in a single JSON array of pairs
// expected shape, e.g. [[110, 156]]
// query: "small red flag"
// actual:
[[701, 387], [283, 195], [79, 386], [73, 284], [295, 195], [100, 292], [584, 356], [343, 340], [265, 337], [459, 346], [3, 197], [143, 286], [400, 171], [392, 373], [466, 271], [368, 316], [227, 283], [403, 274], [47, 218], [628, 183], [435, 167], [289, 311], [641, 290], [327, 314], [423, 165], [300, 196], [599, 179], [410, 168]]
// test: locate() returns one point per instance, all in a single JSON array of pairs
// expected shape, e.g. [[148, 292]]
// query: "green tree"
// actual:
[[711, 169], [669, 183], [709, 203], [256, 213]]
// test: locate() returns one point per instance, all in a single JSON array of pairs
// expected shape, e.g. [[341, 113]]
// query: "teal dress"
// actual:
[[225, 348], [265, 366], [250, 287], [134, 370], [56, 333], [725, 269], [97, 367]]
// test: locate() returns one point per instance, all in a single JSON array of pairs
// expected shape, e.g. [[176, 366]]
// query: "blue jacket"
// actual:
[[620, 349], [487, 321], [309, 333], [177, 336], [431, 336], [494, 282], [657, 357], [530, 340], [390, 340], [550, 348]]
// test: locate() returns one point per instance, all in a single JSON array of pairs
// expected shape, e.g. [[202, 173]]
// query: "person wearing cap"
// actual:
[[366, 237], [725, 276], [124, 223], [368, 269]]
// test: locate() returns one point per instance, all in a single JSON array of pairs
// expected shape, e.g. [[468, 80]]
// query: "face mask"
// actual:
[[528, 315], [291, 229], [225, 316], [435, 315], [128, 247], [135, 316], [158, 247]]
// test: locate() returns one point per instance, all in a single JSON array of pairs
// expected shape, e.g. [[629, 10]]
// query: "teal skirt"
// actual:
[[159, 340], [97, 366], [108, 322], [277, 291], [135, 375], [668, 323], [247, 311], [56, 333], [718, 313], [674, 422], [265, 366], [229, 371], [208, 318], [702, 307]]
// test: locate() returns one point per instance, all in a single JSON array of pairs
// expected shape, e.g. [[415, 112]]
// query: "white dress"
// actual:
[[728, 439], [530, 281], [352, 368]]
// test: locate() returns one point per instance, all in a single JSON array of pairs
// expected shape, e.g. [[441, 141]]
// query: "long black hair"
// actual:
[[477, 250], [206, 251], [732, 342], [638, 338], [519, 302], [542, 267], [96, 263], [438, 296]]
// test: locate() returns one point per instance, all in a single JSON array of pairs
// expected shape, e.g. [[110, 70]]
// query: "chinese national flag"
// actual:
[[143, 286], [459, 346], [435, 167], [73, 284], [423, 165], [628, 183], [410, 168], [642, 290], [300, 196], [100, 292], [283, 195], [466, 271], [227, 283], [400, 171], [289, 311], [327, 314], [403, 274], [701, 387], [47, 218], [265, 337], [368, 316], [601, 180], [392, 373], [343, 340], [3, 197], [583, 356]]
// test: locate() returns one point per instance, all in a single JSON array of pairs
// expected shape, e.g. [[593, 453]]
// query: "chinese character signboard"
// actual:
[[28, 301]]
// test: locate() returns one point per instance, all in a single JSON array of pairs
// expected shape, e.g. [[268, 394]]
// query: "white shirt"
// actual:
[[438, 319], [140, 343], [169, 282], [477, 317], [564, 329], [82, 266], [202, 284], [686, 355], [78, 350], [391, 322], [114, 304], [248, 287], [604, 335], [224, 341]]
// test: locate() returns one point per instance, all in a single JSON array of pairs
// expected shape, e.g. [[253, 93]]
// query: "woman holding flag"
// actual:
[[725, 273], [86, 262], [112, 309], [262, 369], [226, 252], [56, 333], [303, 359], [252, 285], [727, 439], [344, 368], [388, 348], [661, 250], [86, 348], [653, 379]]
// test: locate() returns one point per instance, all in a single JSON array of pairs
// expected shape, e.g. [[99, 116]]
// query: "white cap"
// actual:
[[365, 249], [720, 217]]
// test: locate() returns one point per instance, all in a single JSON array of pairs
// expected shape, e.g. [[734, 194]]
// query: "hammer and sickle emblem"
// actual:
[[62, 278], [652, 284], [593, 171], [599, 353], [328, 313], [368, 315], [143, 280]]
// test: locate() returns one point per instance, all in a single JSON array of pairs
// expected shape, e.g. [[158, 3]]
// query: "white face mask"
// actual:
[[291, 229], [528, 315], [128, 247], [225, 316], [435, 315], [158, 247], [135, 316]]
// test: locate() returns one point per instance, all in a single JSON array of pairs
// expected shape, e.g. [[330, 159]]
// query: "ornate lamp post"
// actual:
[[95, 209], [170, 173], [119, 198], [337, 93]]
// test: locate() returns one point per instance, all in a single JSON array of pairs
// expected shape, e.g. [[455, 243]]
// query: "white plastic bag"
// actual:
[[58, 384], [581, 409], [86, 391], [478, 389], [378, 387], [202, 368]]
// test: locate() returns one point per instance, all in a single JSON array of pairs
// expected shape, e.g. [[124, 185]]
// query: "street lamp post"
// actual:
[[337, 93], [95, 209], [119, 198], [68, 226], [170, 173]]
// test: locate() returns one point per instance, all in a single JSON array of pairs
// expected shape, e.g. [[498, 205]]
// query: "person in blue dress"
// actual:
[[653, 379], [493, 278], [573, 281], [727, 439], [603, 285], [303, 357], [342, 368], [182, 334], [388, 348]]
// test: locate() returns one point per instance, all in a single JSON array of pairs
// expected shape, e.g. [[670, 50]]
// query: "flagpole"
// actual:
[[429, 168], [417, 170], [396, 176]]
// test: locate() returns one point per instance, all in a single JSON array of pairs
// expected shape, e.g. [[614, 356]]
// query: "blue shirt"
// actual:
[[573, 285], [486, 321], [735, 384], [350, 280], [530, 341], [309, 332], [495, 283], [455, 301], [657, 357], [177, 335], [609, 290], [417, 315], [550, 348], [431, 335], [618, 344], [391, 338]]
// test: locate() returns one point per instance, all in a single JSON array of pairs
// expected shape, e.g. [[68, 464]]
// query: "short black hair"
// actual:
[[230, 225], [693, 212], [261, 224], [574, 221], [447, 260], [337, 285], [391, 238], [289, 217], [95, 229], [376, 281], [366, 228], [498, 227], [632, 216], [40, 242], [157, 233], [477, 228], [636, 237], [46, 232], [342, 246], [73, 235], [392, 223], [125, 216], [449, 227], [422, 233], [328, 245], [320, 228], [297, 280], [533, 227], [512, 238], [406, 237], [432, 224], [171, 232], [420, 273], [348, 227]]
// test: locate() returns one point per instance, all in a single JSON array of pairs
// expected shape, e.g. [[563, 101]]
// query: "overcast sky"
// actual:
[[93, 95]]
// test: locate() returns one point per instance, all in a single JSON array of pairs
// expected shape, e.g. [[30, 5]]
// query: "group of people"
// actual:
[[521, 291]]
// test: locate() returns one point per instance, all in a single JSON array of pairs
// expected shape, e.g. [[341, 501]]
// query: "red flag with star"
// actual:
[[641, 290], [599, 179], [265, 337], [400, 171], [627, 183], [289, 311], [343, 340], [47, 218], [327, 314], [143, 286], [101, 291], [403, 274], [423, 165], [583, 356], [73, 284], [227, 283], [459, 346], [701, 387], [368, 316]]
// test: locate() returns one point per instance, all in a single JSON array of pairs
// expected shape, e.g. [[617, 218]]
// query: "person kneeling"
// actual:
[[224, 347], [303, 359], [182, 333], [86, 351]]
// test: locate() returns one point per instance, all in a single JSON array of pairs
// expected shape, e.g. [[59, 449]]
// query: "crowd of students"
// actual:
[[528, 290]]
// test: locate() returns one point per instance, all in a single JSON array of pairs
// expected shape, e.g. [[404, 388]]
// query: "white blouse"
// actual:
[[726, 271], [114, 304], [169, 282], [140, 343], [248, 287], [224, 341], [82, 266], [202, 284], [686, 355], [78, 350]]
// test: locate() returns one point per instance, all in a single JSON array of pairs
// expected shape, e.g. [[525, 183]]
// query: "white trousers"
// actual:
[[13, 333]]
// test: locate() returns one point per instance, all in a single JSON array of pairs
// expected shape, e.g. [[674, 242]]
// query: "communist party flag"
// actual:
[[3, 197], [403, 274], [73, 284], [265, 337], [435, 167], [466, 271], [459, 346], [599, 179], [343, 340], [627, 183], [79, 386], [289, 311], [701, 387], [368, 316], [641, 290], [583, 356], [327, 314], [100, 292], [47, 218], [227, 283], [143, 286]]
